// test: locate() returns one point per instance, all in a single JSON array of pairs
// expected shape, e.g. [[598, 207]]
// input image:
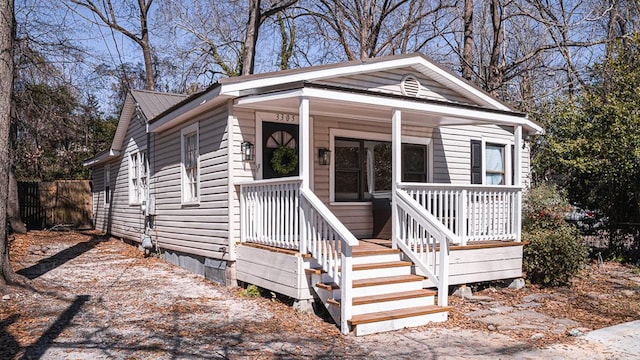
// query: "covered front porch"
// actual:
[[311, 212]]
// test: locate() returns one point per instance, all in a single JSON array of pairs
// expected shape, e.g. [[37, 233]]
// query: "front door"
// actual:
[[280, 154]]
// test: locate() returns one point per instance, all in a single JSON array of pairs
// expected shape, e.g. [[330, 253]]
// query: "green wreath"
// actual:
[[284, 160]]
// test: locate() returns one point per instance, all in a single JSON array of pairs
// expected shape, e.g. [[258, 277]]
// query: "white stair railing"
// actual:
[[424, 240], [473, 213], [280, 213], [330, 243]]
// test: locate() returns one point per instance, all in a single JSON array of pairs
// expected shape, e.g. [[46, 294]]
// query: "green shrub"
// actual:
[[252, 291], [553, 256], [555, 252]]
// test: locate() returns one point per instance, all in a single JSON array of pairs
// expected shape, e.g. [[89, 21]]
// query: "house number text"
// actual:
[[288, 118]]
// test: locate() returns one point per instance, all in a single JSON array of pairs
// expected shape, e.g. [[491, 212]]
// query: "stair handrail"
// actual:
[[320, 249], [437, 230]]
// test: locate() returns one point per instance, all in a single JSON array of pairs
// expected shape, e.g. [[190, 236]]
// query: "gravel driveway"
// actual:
[[97, 298]]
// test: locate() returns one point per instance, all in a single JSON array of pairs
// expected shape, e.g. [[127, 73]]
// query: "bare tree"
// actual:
[[467, 43], [7, 29], [372, 28], [257, 15], [108, 15]]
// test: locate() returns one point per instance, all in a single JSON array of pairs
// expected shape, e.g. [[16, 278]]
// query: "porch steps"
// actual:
[[387, 295]]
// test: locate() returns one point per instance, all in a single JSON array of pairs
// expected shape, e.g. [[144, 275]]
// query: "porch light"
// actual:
[[324, 156], [247, 150]]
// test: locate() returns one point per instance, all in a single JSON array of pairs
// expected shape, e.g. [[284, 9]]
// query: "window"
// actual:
[[488, 163], [494, 171], [138, 177], [190, 164], [364, 167], [107, 186]]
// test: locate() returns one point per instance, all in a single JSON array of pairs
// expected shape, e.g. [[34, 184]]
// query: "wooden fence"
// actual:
[[63, 203]]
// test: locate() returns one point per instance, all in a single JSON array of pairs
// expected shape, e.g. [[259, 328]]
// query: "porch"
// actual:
[[443, 235], [420, 152]]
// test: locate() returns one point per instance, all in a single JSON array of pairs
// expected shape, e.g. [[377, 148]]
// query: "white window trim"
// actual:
[[107, 183], [133, 200], [363, 135], [188, 130], [507, 158]]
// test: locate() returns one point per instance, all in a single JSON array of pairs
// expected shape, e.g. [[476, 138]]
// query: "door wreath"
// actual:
[[284, 160]]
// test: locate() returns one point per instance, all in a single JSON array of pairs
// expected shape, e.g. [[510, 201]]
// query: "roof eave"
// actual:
[[101, 158], [188, 108]]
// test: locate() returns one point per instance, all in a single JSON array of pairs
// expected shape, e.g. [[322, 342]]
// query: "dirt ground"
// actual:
[[92, 297]]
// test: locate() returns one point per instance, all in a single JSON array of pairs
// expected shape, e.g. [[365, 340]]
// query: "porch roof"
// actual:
[[330, 100], [266, 88]]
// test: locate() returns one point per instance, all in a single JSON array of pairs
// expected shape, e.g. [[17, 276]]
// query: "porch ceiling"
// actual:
[[379, 107]]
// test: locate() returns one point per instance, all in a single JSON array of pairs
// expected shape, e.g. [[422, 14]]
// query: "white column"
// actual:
[[518, 142], [396, 177], [304, 146], [517, 153], [304, 142]]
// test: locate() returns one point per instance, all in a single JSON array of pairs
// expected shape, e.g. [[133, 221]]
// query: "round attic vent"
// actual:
[[410, 86]]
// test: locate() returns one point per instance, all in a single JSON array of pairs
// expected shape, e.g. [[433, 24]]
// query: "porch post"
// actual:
[[304, 146], [517, 180], [396, 177]]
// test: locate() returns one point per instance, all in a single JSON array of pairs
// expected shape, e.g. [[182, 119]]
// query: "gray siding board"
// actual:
[[389, 82], [194, 229]]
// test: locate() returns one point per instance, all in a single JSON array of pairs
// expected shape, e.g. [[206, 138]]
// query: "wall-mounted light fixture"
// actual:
[[324, 156], [527, 139], [247, 151]]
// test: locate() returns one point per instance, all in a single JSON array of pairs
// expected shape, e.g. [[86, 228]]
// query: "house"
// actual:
[[363, 184]]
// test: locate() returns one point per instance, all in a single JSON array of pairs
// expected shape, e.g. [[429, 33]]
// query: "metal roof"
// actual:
[[153, 103]]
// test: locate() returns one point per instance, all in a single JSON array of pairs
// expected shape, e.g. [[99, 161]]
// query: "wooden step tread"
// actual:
[[381, 265], [386, 280], [397, 314], [369, 252], [314, 271], [363, 300], [328, 286]]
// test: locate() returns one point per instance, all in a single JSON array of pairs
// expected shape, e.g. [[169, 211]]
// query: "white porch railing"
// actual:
[[472, 213], [269, 212], [280, 213], [422, 238]]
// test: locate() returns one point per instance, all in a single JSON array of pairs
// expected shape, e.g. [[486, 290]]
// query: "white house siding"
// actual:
[[125, 220], [389, 82], [97, 175], [201, 229], [101, 213], [452, 151]]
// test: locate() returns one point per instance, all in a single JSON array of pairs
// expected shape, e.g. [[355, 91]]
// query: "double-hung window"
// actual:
[[489, 165], [138, 177], [364, 167], [190, 164]]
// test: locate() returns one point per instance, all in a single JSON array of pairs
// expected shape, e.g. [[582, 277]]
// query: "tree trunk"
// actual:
[[496, 76], [7, 22], [467, 50], [150, 83], [13, 206], [251, 38]]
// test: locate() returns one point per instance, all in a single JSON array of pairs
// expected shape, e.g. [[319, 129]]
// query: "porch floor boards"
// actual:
[[377, 246]]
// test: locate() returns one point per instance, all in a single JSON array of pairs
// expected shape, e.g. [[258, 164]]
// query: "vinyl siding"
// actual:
[[203, 228], [99, 211], [121, 219], [389, 82]]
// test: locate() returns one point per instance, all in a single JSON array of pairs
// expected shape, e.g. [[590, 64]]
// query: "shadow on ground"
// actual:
[[47, 264]]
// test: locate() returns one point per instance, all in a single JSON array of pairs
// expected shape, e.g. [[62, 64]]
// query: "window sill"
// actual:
[[193, 203]]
